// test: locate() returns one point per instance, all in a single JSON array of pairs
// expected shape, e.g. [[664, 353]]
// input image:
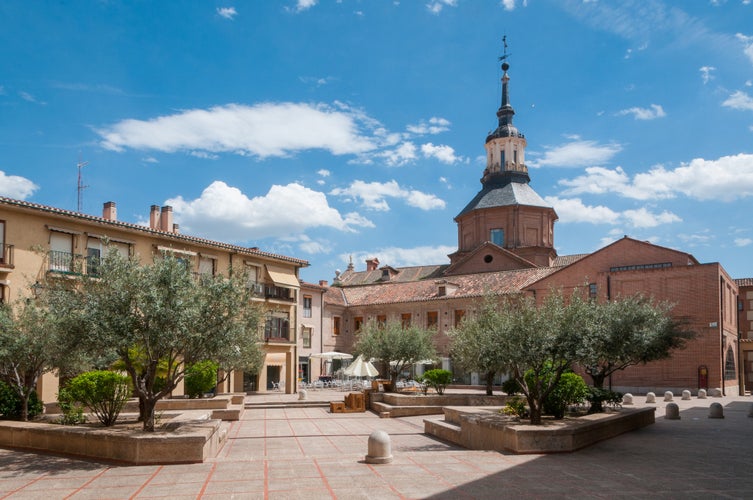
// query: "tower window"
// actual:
[[497, 236]]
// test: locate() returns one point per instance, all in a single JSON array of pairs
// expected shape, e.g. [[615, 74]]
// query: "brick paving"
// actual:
[[288, 453]]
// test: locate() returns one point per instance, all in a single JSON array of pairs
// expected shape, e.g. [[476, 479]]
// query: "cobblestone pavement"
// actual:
[[286, 453]]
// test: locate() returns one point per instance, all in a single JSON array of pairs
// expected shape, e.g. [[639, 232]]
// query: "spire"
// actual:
[[505, 111], [505, 147]]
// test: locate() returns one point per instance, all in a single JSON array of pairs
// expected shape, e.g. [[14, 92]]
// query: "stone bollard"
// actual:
[[650, 397], [380, 449], [701, 393], [715, 393], [302, 395], [750, 410], [627, 399], [668, 396], [685, 395], [672, 412], [716, 410]]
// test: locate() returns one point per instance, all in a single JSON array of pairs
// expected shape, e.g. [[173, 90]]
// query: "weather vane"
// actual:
[[504, 55]]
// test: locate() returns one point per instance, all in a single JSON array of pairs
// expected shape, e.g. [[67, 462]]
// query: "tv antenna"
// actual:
[[80, 186]]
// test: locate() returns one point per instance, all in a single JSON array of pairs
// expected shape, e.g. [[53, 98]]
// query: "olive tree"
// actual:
[[475, 341], [630, 331], [394, 345], [159, 317], [30, 345]]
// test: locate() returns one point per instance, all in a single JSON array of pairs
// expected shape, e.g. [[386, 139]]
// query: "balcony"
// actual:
[[70, 263], [279, 293], [6, 260], [277, 330]]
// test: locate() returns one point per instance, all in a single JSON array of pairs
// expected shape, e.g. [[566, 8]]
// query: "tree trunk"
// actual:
[[535, 410], [25, 406], [149, 405], [489, 383], [597, 405]]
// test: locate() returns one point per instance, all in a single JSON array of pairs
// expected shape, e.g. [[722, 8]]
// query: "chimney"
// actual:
[[176, 228], [372, 264], [109, 211], [323, 283], [154, 217], [166, 219]]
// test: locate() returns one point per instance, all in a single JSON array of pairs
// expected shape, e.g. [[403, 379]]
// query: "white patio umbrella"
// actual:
[[361, 368], [330, 355]]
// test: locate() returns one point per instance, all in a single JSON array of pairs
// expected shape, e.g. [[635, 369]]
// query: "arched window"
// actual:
[[730, 373]]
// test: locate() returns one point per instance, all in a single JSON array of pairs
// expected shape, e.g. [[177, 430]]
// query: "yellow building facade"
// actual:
[[38, 241]]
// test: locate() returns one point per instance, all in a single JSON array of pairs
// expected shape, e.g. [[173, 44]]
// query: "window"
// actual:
[[306, 306], [336, 325], [278, 292], [61, 252], [432, 319], [730, 373], [207, 265], [459, 313], [497, 236], [357, 323], [306, 336], [2, 242], [405, 320], [515, 156], [252, 280], [277, 326], [381, 319], [592, 291], [502, 159]]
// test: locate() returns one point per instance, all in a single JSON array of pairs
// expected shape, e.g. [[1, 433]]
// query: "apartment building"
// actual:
[[39, 241]]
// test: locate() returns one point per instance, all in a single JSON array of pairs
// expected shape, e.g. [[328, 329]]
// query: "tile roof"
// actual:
[[514, 193], [744, 281], [405, 274], [145, 229], [468, 285]]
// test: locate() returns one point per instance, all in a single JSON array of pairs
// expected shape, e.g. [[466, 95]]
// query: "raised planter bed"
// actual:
[[487, 429]]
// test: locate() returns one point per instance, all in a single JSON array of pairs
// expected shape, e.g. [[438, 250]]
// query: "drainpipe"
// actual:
[[721, 334]]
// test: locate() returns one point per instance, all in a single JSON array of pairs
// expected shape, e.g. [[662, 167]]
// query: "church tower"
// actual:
[[507, 225]]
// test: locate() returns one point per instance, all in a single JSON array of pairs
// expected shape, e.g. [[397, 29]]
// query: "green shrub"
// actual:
[[438, 379], [11, 403], [600, 397], [200, 378], [71, 412], [103, 392], [516, 406], [570, 389], [511, 387]]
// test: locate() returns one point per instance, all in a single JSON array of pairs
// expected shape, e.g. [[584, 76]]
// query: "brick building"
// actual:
[[39, 241], [506, 246]]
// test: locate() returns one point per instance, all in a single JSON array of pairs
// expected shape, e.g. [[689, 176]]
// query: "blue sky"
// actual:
[[329, 129]]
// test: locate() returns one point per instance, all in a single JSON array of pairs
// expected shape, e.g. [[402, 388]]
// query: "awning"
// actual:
[[282, 276], [275, 359]]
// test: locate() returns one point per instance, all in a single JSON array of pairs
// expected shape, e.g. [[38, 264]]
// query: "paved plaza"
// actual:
[[308, 453]]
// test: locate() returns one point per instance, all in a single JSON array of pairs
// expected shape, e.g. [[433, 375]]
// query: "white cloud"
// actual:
[[578, 153], [309, 246], [268, 129], [747, 42], [323, 172], [433, 126], [508, 4], [150, 159], [706, 75], [727, 179], [29, 98], [652, 113], [373, 195], [443, 153], [743, 242], [405, 153], [739, 100], [574, 210], [14, 186], [402, 257], [436, 6], [224, 213], [227, 12], [302, 5]]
